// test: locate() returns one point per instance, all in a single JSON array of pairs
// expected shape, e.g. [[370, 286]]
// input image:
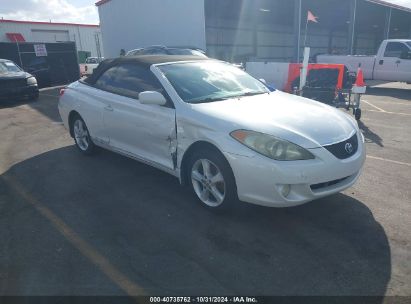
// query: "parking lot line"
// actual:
[[386, 112], [389, 160], [396, 103], [118, 278], [369, 103], [380, 110]]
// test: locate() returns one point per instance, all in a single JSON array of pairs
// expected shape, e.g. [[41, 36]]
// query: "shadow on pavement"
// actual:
[[370, 136], [13, 103], [156, 234], [390, 92], [46, 104]]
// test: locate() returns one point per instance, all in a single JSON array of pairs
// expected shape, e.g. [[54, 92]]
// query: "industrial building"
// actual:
[[262, 30], [87, 37]]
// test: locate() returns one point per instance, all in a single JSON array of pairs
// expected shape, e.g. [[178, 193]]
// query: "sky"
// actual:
[[77, 11]]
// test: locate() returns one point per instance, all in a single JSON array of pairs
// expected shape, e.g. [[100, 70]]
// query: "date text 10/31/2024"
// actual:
[[203, 300]]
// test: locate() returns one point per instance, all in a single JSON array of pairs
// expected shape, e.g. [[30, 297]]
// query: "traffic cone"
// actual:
[[360, 79]]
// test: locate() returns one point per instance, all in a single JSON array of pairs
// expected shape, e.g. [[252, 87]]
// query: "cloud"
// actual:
[[45, 10], [406, 3]]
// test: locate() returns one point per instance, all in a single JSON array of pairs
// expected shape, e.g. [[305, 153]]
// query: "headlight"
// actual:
[[31, 81], [271, 147]]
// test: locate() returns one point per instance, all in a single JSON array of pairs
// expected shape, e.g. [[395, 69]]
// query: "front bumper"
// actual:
[[260, 180], [30, 90]]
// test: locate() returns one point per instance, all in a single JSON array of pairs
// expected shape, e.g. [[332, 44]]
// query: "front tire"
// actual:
[[82, 136], [211, 180]]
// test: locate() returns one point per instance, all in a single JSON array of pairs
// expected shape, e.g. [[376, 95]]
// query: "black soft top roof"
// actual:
[[145, 61], [149, 60]]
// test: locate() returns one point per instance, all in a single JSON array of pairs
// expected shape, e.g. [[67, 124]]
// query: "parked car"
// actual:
[[40, 68], [88, 67], [163, 50], [392, 62], [216, 128], [16, 83]]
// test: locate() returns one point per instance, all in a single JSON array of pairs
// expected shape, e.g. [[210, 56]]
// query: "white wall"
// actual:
[[131, 24], [274, 73], [50, 35], [84, 36]]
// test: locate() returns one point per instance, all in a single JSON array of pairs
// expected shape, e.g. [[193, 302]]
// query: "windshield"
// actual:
[[208, 81], [8, 66], [409, 44]]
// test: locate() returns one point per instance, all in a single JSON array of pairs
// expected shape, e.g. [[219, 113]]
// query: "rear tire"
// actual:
[[82, 136], [212, 180]]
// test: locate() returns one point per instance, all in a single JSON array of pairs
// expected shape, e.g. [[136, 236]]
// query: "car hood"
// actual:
[[302, 121], [14, 75]]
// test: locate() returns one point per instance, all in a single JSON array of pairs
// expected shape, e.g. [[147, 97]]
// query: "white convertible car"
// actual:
[[216, 128]]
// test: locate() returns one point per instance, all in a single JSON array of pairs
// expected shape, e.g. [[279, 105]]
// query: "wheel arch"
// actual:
[[71, 117], [199, 145]]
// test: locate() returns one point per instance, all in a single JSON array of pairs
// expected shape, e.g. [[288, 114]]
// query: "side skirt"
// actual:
[[175, 172]]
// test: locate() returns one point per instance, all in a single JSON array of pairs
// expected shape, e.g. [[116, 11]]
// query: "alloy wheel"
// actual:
[[208, 182], [81, 135]]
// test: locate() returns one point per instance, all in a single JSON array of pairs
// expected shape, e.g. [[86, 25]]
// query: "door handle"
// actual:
[[381, 62], [109, 108]]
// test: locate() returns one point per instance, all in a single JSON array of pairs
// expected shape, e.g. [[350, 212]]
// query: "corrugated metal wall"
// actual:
[[83, 36], [264, 30]]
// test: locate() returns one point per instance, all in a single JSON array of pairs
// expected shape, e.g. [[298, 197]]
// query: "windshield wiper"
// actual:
[[210, 99], [248, 94], [207, 100]]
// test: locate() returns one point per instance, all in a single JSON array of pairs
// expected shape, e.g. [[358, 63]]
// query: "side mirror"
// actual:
[[405, 55], [152, 97], [263, 81]]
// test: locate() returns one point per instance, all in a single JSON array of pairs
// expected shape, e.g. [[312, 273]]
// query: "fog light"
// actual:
[[285, 190]]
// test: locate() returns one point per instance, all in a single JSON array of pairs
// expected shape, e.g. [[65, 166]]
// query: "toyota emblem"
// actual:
[[349, 148]]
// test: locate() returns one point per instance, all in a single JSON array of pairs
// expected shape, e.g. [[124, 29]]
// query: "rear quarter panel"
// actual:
[[84, 100]]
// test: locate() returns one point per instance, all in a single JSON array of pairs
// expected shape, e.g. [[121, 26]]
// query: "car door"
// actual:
[[389, 67], [144, 131], [405, 65]]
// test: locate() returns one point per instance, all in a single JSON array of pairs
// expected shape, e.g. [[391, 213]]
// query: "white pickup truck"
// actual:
[[392, 62], [87, 68]]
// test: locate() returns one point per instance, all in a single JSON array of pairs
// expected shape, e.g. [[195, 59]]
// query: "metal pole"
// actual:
[[388, 24], [306, 32], [97, 38], [353, 20], [18, 51], [299, 27], [255, 27], [297, 22]]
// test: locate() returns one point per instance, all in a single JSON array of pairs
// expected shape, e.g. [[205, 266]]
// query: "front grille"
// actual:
[[12, 83], [327, 184], [345, 149]]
